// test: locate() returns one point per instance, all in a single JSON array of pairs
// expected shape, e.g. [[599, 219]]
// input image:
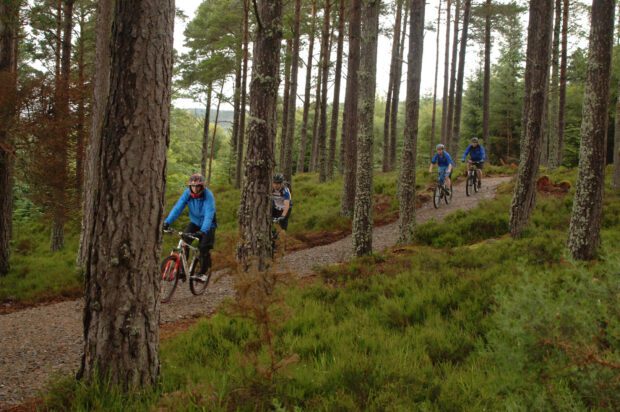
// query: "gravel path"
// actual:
[[46, 341]]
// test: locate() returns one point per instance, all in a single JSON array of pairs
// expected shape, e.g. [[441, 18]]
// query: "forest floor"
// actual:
[[42, 343]]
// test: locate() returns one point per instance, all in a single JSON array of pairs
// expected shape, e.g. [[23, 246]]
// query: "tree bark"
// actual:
[[287, 168], [615, 179], [301, 160], [254, 249], [105, 9], [321, 157], [446, 77], [285, 98], [336, 102], [236, 109], [367, 77], [9, 29], [536, 83], [486, 93], [396, 93], [205, 132], [350, 110], [458, 98], [433, 116], [244, 88], [217, 118], [585, 224], [407, 191], [563, 79], [455, 47], [80, 133], [392, 81], [121, 314], [552, 136]]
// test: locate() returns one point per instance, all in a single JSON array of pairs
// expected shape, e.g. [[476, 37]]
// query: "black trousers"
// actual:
[[277, 213], [207, 241]]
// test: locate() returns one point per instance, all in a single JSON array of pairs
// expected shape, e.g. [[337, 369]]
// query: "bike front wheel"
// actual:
[[198, 287], [469, 187], [447, 197], [437, 197], [169, 278], [477, 184]]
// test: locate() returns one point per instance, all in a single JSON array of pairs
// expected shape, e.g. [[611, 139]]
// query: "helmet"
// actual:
[[199, 181], [474, 139], [278, 178], [440, 146]]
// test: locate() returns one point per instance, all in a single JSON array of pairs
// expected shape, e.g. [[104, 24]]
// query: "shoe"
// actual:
[[200, 277]]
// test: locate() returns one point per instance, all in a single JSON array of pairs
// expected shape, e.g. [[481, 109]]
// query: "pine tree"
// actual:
[[563, 79], [450, 116], [434, 115], [321, 157], [391, 82], [396, 92], [446, 77], [336, 101], [458, 98], [585, 224], [301, 160], [553, 98], [287, 166], [244, 88], [486, 99]]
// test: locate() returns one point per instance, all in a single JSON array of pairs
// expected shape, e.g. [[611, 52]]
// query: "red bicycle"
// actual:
[[183, 259]]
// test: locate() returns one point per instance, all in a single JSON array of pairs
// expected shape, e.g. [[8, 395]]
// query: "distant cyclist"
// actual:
[[282, 202], [477, 156], [445, 163], [202, 218]]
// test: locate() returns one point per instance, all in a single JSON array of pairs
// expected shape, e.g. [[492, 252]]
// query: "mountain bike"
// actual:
[[442, 192], [473, 180], [274, 236], [182, 260]]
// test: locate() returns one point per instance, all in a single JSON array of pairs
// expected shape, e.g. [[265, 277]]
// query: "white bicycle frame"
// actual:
[[181, 250]]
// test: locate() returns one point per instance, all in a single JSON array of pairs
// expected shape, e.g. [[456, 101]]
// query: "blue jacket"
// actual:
[[201, 210], [442, 161], [477, 154]]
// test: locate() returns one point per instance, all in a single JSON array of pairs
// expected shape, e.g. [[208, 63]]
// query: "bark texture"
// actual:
[[407, 192], [336, 102], [303, 143], [287, 164], [350, 110], [458, 98], [367, 77], [585, 224], [121, 314], [254, 249], [540, 28], [9, 28]]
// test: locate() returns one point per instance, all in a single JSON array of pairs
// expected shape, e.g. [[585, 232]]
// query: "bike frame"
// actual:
[[179, 251]]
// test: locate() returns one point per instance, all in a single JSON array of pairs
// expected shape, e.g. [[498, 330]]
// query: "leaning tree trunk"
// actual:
[[536, 83], [205, 132], [303, 143], [455, 46], [254, 249], [244, 88], [396, 93], [458, 98], [349, 126], [585, 224], [287, 167], [336, 102], [321, 157], [486, 94], [446, 71], [285, 99], [121, 314], [552, 124], [392, 81], [9, 29], [563, 79], [367, 77], [407, 192], [434, 115]]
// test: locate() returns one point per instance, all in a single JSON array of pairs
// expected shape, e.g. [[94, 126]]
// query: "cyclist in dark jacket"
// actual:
[[477, 156], [281, 201], [203, 221]]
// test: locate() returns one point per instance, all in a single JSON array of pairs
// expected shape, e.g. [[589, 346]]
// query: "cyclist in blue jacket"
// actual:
[[477, 156], [202, 217], [445, 164]]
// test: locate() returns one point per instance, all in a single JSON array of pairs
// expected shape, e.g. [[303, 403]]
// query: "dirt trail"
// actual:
[[40, 343]]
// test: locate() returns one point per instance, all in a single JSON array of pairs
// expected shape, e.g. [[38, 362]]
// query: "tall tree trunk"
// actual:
[[244, 88], [217, 118], [486, 93], [254, 249], [80, 132], [585, 224], [407, 192], [552, 123], [101, 89], [336, 102], [392, 81], [9, 29], [367, 77], [458, 98], [205, 132], [121, 314], [285, 98], [287, 167], [455, 47], [563, 79], [236, 115], [317, 105], [536, 83], [615, 179], [321, 158], [432, 139], [301, 161], [396, 92], [349, 127], [446, 76]]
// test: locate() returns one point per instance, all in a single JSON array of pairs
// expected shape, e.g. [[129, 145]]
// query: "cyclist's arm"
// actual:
[[483, 153], [450, 162], [433, 161], [178, 208], [208, 212], [287, 202], [466, 153]]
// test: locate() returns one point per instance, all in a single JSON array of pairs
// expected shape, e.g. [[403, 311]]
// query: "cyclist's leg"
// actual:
[[190, 228], [207, 241], [284, 222], [480, 167], [442, 174]]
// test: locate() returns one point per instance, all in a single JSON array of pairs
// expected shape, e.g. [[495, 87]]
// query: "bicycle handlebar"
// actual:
[[181, 234]]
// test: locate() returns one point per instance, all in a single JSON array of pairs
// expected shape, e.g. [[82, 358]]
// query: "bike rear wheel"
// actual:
[[198, 287], [169, 278], [437, 196]]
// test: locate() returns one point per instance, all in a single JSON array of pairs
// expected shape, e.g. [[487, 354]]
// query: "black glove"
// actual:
[[166, 226], [199, 234]]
